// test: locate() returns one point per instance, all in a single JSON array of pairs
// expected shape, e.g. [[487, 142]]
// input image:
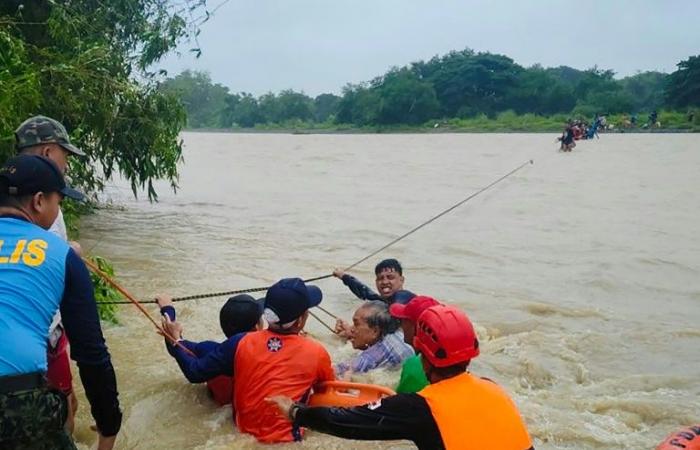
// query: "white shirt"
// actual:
[[59, 226], [59, 229]]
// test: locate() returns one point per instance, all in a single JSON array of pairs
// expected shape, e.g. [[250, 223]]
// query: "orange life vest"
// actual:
[[475, 414], [268, 364]]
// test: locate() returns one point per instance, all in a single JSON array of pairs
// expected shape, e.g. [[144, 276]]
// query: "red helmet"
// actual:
[[445, 336]]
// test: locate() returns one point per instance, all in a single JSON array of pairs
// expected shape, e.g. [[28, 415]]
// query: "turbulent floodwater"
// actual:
[[581, 272]]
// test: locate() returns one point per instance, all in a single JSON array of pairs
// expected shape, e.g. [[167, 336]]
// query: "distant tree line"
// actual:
[[460, 84]]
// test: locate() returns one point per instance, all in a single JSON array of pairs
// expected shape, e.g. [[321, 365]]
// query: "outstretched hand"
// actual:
[[164, 300], [283, 403], [174, 329], [343, 328], [338, 273]]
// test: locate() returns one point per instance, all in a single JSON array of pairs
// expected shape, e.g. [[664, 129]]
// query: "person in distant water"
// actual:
[[278, 359], [214, 361], [374, 332], [43, 136], [40, 274], [592, 131], [456, 411], [567, 139], [413, 378]]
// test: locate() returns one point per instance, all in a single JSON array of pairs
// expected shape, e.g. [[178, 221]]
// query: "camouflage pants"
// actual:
[[34, 420]]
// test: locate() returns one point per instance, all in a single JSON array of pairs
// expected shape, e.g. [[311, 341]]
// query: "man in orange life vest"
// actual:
[[457, 411], [276, 360]]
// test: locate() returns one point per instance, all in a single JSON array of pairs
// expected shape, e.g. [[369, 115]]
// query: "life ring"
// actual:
[[685, 438], [347, 394]]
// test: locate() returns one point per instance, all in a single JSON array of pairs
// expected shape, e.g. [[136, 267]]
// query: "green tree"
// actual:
[[325, 107], [87, 65], [359, 106], [19, 85], [293, 106], [467, 83], [540, 92], [565, 74], [242, 110], [404, 98], [203, 100], [646, 90], [597, 92], [684, 84]]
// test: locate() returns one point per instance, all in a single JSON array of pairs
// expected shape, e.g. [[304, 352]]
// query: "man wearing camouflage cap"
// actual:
[[44, 136]]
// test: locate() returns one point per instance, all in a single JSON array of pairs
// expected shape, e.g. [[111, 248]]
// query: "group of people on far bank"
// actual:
[[266, 366]]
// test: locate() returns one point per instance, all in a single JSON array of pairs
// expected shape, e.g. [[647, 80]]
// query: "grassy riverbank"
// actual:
[[506, 122]]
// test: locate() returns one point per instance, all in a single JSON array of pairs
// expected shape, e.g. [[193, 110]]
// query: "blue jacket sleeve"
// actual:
[[359, 289], [88, 349], [202, 348], [198, 348], [218, 360]]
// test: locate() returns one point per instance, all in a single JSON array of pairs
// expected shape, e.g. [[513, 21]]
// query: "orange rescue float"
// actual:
[[347, 394], [686, 438]]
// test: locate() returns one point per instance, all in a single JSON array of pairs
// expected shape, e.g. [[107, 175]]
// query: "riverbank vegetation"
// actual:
[[461, 91], [88, 64]]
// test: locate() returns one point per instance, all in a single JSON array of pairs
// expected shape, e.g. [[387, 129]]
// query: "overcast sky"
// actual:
[[320, 45]]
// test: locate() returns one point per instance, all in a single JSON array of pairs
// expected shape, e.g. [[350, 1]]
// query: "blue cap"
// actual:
[[29, 174], [289, 298]]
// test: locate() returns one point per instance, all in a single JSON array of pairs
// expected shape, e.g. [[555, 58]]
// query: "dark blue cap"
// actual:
[[289, 298], [29, 174], [239, 314]]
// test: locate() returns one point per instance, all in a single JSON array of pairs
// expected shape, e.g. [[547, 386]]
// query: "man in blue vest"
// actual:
[[40, 274], [47, 137]]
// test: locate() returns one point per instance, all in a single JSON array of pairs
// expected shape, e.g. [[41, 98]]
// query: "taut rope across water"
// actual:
[[322, 277]]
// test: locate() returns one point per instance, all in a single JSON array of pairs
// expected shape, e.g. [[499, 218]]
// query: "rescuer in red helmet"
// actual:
[[457, 411]]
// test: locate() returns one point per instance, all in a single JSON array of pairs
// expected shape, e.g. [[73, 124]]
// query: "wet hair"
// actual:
[[239, 314], [388, 264], [379, 317]]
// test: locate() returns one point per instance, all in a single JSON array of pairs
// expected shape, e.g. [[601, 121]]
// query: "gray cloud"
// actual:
[[318, 46]]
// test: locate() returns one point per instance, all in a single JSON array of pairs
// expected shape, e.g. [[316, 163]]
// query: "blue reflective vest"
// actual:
[[32, 281]]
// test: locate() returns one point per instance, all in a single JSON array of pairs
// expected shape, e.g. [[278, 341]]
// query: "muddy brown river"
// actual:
[[581, 272]]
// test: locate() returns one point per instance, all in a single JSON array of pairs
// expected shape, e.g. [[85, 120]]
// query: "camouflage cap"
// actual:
[[39, 130]]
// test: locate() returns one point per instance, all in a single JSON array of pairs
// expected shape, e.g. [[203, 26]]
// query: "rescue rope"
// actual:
[[352, 266], [328, 327], [136, 303], [308, 280], [437, 216]]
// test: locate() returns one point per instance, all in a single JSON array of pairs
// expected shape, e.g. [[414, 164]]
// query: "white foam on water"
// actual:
[[581, 273]]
